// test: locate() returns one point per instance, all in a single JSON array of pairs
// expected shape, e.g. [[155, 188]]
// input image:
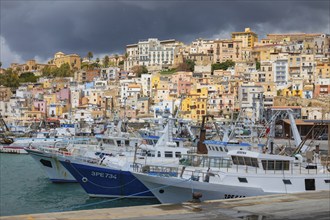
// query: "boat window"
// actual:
[[226, 149], [287, 181], [151, 153], [168, 154], [126, 142], [158, 154], [327, 181], [247, 161], [242, 180], [221, 149], [178, 154], [275, 164], [46, 163], [240, 161], [235, 161], [118, 143], [254, 162], [310, 184]]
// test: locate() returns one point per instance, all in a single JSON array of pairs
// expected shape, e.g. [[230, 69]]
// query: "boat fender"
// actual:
[[84, 179]]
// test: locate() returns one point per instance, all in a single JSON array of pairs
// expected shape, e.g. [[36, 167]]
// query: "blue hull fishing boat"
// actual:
[[100, 181]]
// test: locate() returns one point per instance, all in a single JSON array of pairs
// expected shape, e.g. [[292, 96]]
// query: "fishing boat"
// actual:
[[111, 143], [244, 174], [241, 173], [111, 176]]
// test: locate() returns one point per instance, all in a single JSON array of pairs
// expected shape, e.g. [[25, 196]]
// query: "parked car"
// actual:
[[323, 137]]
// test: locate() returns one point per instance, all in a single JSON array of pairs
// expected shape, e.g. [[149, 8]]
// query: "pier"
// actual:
[[308, 205]]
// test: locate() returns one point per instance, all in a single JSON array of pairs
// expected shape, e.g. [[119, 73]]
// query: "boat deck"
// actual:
[[309, 205]]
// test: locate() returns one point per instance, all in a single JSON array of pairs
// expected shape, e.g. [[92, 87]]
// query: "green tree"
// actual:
[[90, 55], [138, 70], [257, 65], [116, 58], [47, 71], [63, 71], [187, 65], [27, 77], [223, 66], [0, 64], [10, 79], [121, 63], [106, 61], [85, 66]]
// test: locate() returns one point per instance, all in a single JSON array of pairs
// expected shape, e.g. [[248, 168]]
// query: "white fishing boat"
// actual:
[[244, 174]]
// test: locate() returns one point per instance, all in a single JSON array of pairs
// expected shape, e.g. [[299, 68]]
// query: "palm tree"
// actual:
[[116, 58], [106, 61], [90, 55]]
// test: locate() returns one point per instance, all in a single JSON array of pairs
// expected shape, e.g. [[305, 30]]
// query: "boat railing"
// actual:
[[226, 165], [80, 158], [156, 170]]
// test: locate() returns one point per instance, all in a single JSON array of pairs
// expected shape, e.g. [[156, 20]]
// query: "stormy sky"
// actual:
[[36, 29]]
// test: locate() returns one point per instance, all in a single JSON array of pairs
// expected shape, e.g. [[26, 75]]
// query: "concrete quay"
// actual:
[[302, 206]]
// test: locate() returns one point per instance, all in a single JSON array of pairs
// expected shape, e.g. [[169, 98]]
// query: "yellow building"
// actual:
[[72, 59], [47, 84], [248, 37], [194, 106], [155, 79], [323, 70], [50, 99]]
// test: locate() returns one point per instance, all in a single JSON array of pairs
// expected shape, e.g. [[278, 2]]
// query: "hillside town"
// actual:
[[154, 77]]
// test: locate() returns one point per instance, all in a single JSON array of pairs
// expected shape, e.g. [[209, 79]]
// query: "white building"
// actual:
[[151, 52], [110, 73], [251, 99], [281, 72], [75, 98], [146, 84]]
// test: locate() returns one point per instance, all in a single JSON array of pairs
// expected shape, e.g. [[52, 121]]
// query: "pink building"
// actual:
[[63, 95], [181, 82], [40, 106]]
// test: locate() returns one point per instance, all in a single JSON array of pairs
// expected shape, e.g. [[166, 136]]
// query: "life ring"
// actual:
[[84, 179]]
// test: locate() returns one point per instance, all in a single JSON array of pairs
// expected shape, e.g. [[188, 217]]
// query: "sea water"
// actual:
[[25, 189]]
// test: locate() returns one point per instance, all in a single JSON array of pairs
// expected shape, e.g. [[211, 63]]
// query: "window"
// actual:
[[310, 184], [288, 182], [242, 180], [275, 164], [178, 154], [46, 163], [327, 181], [168, 154]]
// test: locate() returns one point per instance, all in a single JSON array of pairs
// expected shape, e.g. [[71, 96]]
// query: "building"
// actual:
[[227, 50], [280, 71], [247, 37], [5, 93], [72, 59], [152, 53], [251, 99]]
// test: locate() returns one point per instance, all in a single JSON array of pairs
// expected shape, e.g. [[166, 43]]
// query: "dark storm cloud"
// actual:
[[41, 28]]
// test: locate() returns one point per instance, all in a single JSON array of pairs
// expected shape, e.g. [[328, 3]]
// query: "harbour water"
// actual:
[[25, 189]]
